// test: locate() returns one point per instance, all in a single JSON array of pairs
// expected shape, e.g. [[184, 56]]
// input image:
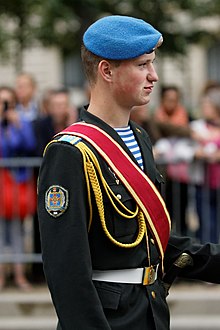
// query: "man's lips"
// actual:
[[149, 89]]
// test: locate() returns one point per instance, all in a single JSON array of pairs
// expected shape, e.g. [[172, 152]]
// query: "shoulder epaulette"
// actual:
[[72, 139]]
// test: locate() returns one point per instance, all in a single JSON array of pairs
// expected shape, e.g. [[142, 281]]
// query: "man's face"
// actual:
[[59, 107], [24, 89], [170, 101], [133, 81], [208, 109]]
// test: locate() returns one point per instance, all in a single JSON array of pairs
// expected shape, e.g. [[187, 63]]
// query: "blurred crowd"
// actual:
[[27, 124], [186, 149]]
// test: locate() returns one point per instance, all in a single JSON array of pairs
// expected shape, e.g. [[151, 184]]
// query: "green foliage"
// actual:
[[63, 22], [175, 19], [18, 22]]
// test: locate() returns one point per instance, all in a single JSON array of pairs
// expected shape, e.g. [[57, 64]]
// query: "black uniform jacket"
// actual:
[[70, 253]]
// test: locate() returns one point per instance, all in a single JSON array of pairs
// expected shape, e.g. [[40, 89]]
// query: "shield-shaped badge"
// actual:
[[56, 200]]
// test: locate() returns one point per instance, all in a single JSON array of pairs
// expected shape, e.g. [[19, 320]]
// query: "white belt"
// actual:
[[145, 276]]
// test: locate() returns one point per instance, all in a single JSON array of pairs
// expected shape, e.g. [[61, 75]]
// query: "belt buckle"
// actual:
[[149, 276]]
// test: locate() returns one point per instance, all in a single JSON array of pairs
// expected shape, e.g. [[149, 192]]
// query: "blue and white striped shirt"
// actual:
[[127, 135]]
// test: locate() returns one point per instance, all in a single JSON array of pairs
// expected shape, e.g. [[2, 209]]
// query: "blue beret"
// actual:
[[121, 37]]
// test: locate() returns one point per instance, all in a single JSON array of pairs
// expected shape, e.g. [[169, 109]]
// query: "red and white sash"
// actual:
[[134, 179]]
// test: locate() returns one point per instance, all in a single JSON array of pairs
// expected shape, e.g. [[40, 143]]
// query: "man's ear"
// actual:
[[105, 70]]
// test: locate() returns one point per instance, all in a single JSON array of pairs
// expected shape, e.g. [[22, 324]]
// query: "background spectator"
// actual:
[[207, 134], [170, 109], [155, 128], [26, 88], [58, 113], [174, 120], [19, 191]]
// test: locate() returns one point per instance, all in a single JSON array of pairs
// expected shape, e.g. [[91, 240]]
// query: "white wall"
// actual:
[[7, 73], [45, 64], [188, 72]]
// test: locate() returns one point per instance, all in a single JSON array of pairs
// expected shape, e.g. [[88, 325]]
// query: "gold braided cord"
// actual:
[[110, 194], [91, 165], [100, 205], [88, 190]]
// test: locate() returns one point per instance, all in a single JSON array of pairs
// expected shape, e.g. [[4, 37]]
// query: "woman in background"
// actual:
[[18, 197]]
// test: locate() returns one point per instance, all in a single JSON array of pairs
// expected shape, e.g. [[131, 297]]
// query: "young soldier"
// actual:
[[104, 226]]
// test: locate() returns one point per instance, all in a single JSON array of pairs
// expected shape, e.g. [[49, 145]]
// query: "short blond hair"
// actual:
[[90, 64]]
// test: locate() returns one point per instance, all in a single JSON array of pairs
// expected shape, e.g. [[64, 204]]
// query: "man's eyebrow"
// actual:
[[151, 59]]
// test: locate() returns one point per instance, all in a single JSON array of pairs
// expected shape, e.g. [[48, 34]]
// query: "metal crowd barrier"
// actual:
[[30, 162], [176, 197], [13, 163]]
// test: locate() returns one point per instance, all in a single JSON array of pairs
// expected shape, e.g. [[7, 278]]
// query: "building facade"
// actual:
[[189, 72]]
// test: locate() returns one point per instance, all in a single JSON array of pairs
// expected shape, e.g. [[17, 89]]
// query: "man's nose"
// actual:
[[152, 75]]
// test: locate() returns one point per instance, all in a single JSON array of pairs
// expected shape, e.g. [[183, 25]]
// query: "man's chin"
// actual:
[[145, 101]]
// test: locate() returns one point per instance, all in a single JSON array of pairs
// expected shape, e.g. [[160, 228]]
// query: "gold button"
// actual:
[[152, 240], [153, 294], [118, 196]]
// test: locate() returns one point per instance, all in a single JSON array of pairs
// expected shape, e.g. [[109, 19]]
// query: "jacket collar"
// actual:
[[92, 119], [138, 132]]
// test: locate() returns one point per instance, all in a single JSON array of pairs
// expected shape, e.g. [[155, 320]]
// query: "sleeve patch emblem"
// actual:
[[56, 201]]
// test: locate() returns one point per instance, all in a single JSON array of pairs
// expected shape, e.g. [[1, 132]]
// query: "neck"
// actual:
[[109, 111]]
